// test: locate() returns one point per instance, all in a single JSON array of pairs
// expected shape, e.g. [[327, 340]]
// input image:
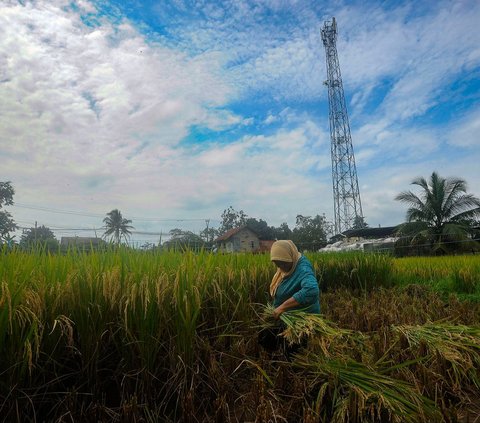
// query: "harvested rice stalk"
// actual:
[[443, 336], [457, 345], [299, 324], [354, 392]]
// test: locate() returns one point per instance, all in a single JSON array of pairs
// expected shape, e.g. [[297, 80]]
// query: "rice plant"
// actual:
[[442, 354], [450, 350], [349, 391], [122, 335], [353, 270], [452, 274]]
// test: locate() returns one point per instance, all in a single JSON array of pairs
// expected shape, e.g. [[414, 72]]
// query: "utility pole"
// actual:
[[346, 195], [207, 222]]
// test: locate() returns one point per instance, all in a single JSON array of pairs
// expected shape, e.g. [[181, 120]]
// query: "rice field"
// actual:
[[130, 336]]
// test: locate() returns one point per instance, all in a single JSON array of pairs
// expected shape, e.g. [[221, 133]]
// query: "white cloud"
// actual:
[[379, 186], [409, 56], [293, 69], [270, 119], [92, 96], [466, 132], [86, 6], [92, 117], [419, 56], [105, 113]]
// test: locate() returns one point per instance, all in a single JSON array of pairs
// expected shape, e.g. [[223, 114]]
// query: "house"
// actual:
[[81, 242], [238, 240]]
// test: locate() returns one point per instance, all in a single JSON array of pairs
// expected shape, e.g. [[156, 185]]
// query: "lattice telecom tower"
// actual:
[[346, 195]]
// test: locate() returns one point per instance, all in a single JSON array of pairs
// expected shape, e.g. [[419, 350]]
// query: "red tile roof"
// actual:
[[229, 233]]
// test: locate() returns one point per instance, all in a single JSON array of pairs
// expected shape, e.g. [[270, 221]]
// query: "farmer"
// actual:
[[293, 287]]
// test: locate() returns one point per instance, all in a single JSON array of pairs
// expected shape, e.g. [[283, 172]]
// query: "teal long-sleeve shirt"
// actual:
[[301, 285]]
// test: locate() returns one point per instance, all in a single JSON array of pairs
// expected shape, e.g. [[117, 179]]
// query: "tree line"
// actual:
[[441, 218], [309, 232]]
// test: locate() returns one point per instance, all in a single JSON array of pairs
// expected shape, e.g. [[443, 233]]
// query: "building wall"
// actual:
[[245, 241], [384, 247], [225, 247]]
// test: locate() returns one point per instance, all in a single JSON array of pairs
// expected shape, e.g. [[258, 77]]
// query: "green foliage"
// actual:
[[310, 232], [6, 194], [7, 224], [359, 223], [209, 235], [261, 228], [283, 232], [441, 215], [183, 240], [232, 219], [39, 239], [116, 226]]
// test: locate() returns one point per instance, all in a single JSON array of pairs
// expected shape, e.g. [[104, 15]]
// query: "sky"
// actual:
[[172, 111]]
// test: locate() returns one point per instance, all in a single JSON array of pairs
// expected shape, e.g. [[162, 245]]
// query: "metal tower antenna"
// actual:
[[346, 195]]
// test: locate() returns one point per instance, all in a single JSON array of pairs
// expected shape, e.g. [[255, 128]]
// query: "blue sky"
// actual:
[[172, 111]]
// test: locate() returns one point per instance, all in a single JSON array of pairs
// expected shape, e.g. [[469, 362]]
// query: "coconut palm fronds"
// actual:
[[355, 392]]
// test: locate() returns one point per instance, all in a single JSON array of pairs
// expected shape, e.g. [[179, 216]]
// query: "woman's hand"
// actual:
[[290, 303], [277, 312]]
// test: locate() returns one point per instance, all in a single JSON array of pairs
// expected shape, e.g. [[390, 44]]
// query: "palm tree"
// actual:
[[442, 212], [116, 226]]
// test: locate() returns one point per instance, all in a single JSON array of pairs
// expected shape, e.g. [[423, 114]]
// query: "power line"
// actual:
[[66, 230], [60, 229], [88, 214], [51, 210]]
